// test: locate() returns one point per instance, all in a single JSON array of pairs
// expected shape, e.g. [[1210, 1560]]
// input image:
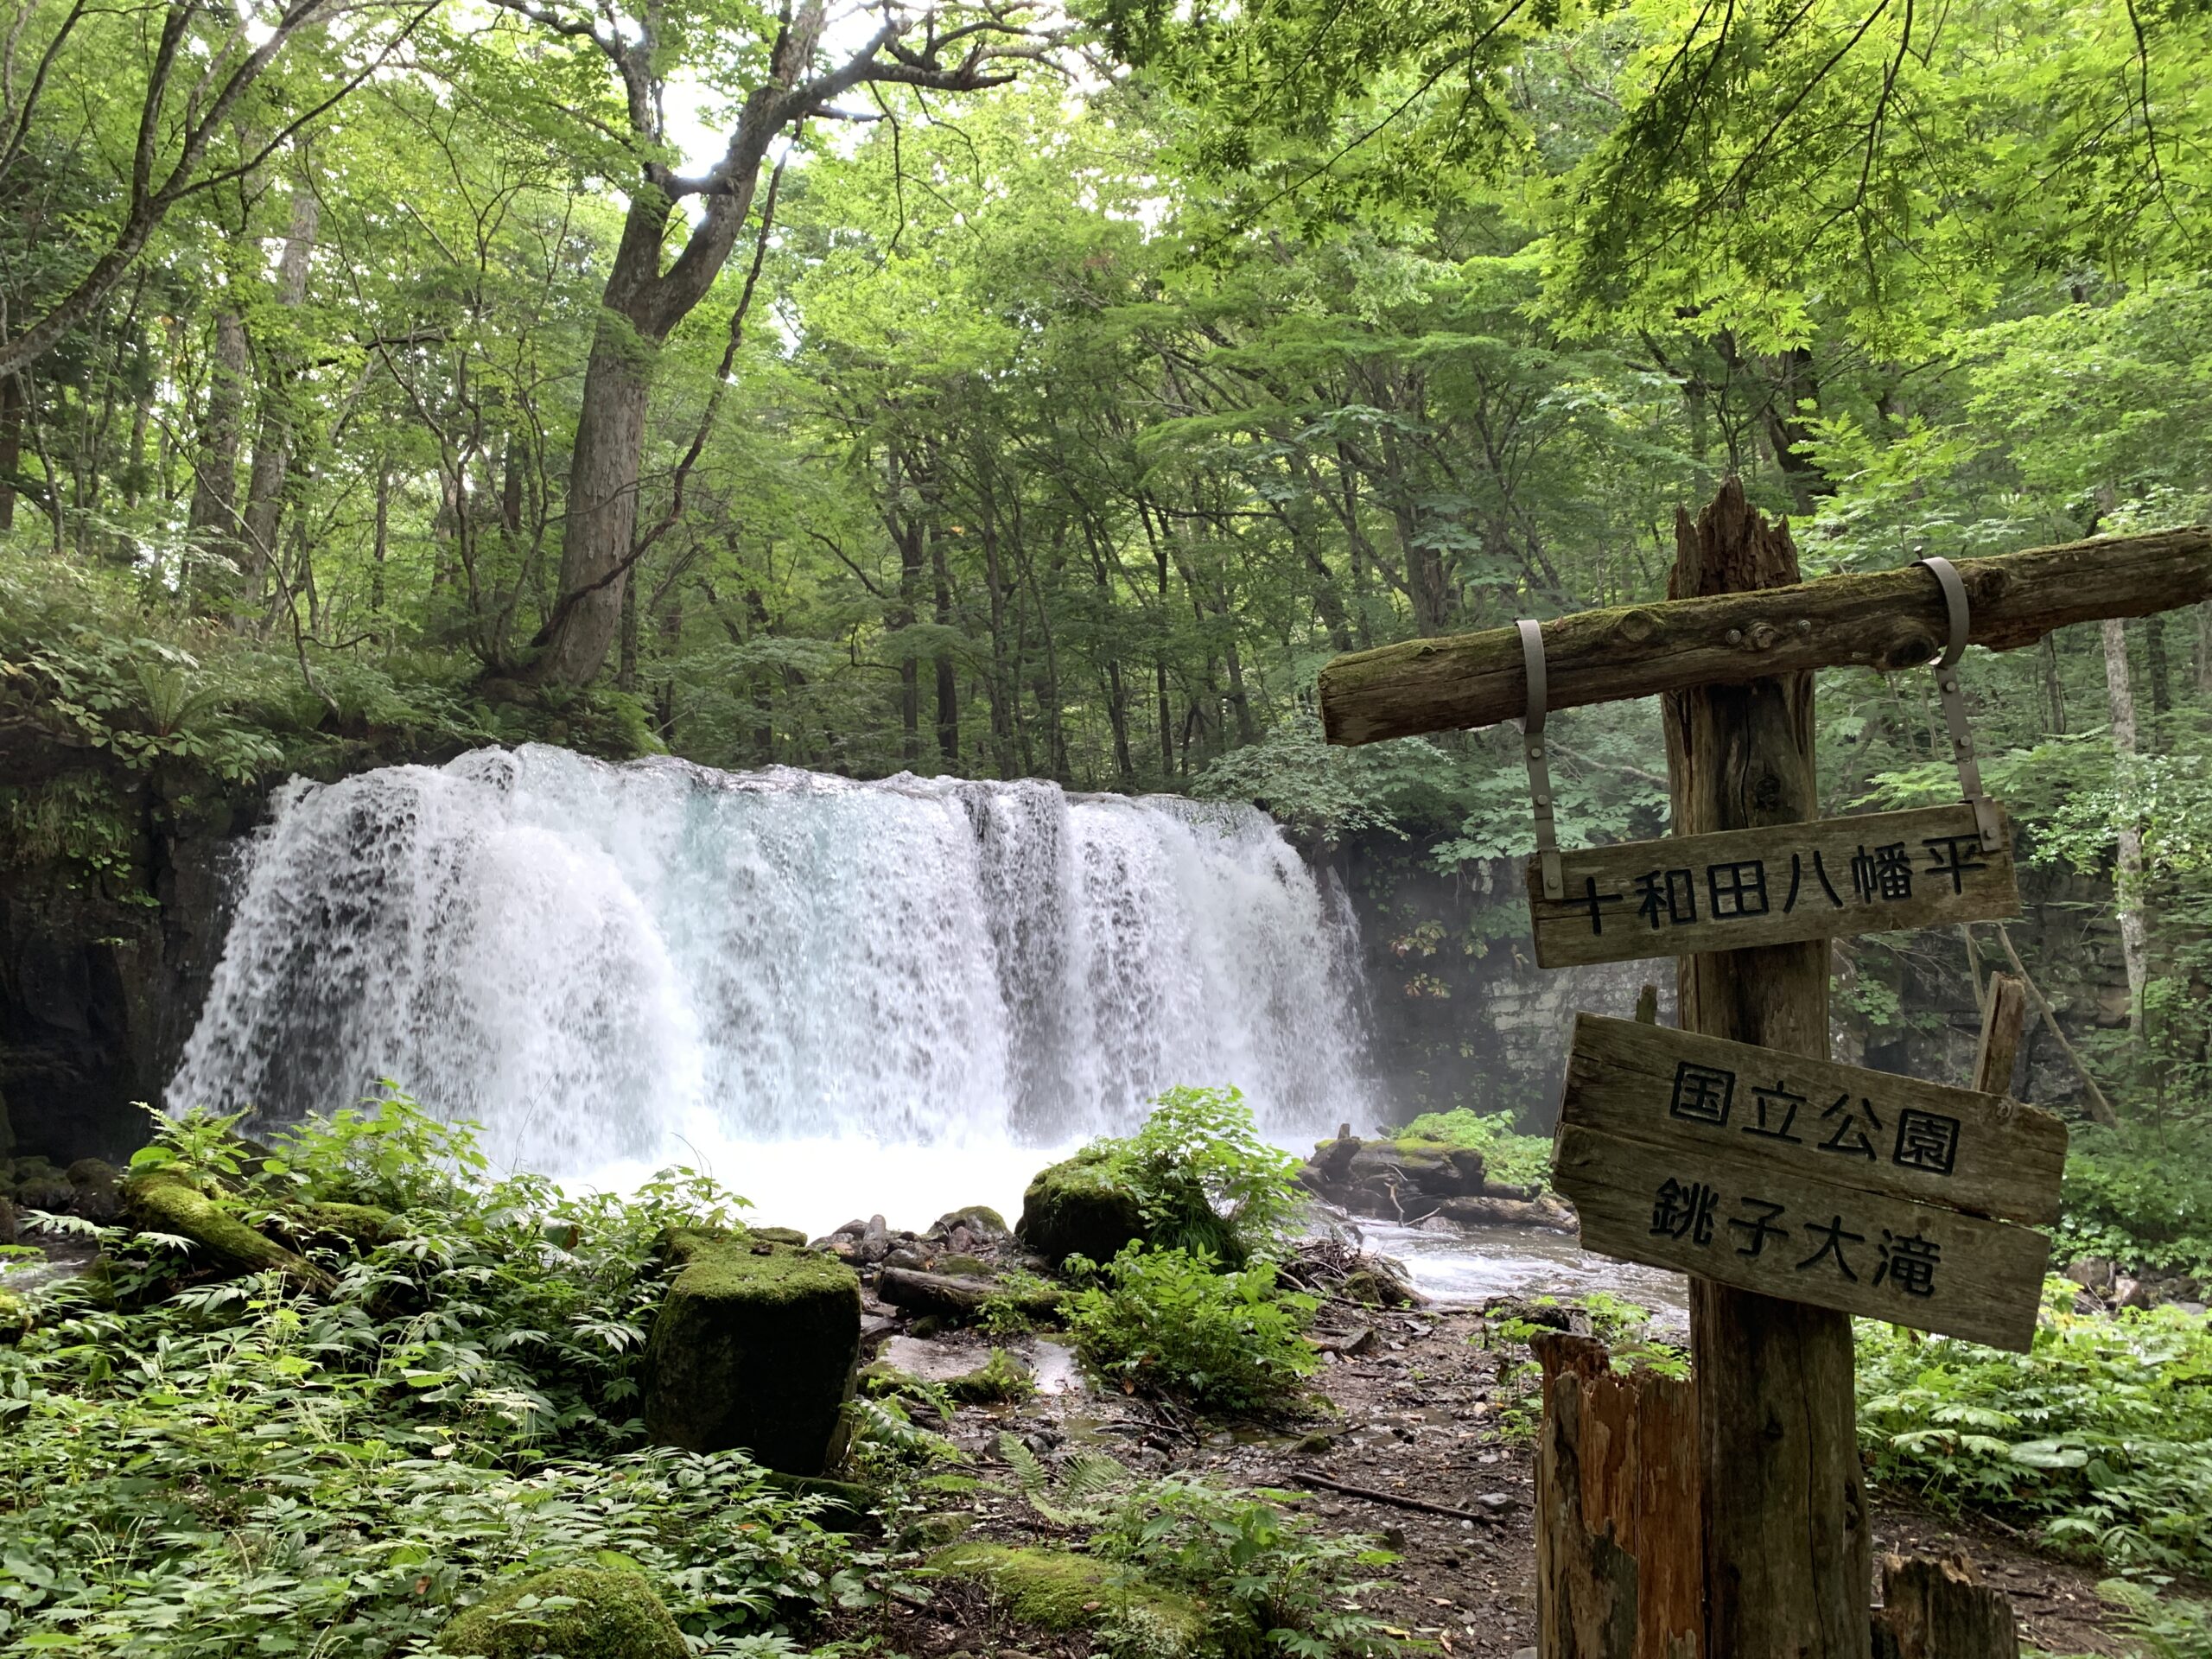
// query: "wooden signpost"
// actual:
[[1684, 1165], [1742, 887], [1850, 1189]]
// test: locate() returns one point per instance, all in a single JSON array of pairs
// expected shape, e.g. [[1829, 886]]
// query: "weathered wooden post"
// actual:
[[1794, 1191], [1777, 1420]]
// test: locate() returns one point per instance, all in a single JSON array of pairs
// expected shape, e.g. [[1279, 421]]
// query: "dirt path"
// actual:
[[1426, 1409]]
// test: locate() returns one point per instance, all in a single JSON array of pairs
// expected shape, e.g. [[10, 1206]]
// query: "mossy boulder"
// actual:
[[1000, 1380], [96, 1189], [1061, 1590], [163, 1201], [1080, 1207], [756, 1347], [780, 1235], [578, 1612]]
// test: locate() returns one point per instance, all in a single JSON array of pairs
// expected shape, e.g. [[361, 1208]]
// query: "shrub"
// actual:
[[1170, 1322], [2099, 1436], [1269, 1580], [2140, 1208], [1204, 1178], [1517, 1160]]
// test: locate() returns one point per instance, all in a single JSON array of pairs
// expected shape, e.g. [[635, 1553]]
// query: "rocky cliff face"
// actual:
[[103, 963], [1464, 1017]]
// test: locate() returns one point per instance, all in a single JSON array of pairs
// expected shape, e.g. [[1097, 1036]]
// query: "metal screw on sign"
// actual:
[[1954, 702], [1539, 772]]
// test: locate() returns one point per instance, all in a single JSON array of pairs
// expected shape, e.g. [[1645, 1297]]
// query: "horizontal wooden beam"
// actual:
[[1887, 620]]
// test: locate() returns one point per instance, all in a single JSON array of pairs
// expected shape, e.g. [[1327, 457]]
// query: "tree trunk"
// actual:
[[11, 445], [602, 497], [1788, 1552], [2135, 934], [948, 684], [625, 670], [380, 547], [272, 444], [214, 515], [1618, 1574]]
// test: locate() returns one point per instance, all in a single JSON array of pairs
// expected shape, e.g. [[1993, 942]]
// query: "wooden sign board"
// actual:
[[1800, 1178], [1774, 886]]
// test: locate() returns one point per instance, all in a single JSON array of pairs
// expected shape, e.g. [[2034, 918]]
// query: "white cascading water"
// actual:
[[612, 967]]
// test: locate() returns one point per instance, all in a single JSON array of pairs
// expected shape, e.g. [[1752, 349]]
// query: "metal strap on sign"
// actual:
[[1954, 702], [1539, 772]]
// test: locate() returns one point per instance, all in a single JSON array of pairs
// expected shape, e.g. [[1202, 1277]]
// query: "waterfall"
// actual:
[[597, 962]]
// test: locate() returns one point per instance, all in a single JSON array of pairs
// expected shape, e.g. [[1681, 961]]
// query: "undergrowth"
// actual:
[[228, 1469], [1169, 1322], [2099, 1439], [1269, 1579]]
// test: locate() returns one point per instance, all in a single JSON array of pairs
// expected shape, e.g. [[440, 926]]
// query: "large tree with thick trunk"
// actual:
[[649, 290]]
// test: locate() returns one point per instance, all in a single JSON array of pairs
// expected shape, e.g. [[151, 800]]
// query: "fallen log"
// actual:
[[953, 1297]]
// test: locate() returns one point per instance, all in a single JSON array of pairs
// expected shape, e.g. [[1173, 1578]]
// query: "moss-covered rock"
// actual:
[[755, 1347], [15, 1318], [96, 1189], [578, 1612], [1061, 1590], [983, 1223], [162, 1201], [1000, 1380], [780, 1235], [1080, 1207]]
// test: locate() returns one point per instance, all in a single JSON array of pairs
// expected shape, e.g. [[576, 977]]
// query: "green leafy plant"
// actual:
[[2100, 1436], [1265, 1574], [1518, 1159], [1203, 1178], [1168, 1321], [2128, 1201]]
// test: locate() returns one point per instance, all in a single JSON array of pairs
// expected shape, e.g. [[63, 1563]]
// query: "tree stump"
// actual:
[[1618, 1572], [1941, 1610]]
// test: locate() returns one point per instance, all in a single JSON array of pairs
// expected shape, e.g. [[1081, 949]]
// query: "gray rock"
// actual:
[[2092, 1273], [2133, 1293], [47, 1191], [2190, 1307], [875, 1241], [905, 1256], [97, 1192]]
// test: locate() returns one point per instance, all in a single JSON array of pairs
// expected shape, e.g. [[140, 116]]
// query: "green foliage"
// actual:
[[2127, 1201], [2167, 1627], [1520, 1160], [1007, 1311], [1168, 1321], [2100, 1436], [228, 1468], [1204, 1178], [1268, 1576]]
